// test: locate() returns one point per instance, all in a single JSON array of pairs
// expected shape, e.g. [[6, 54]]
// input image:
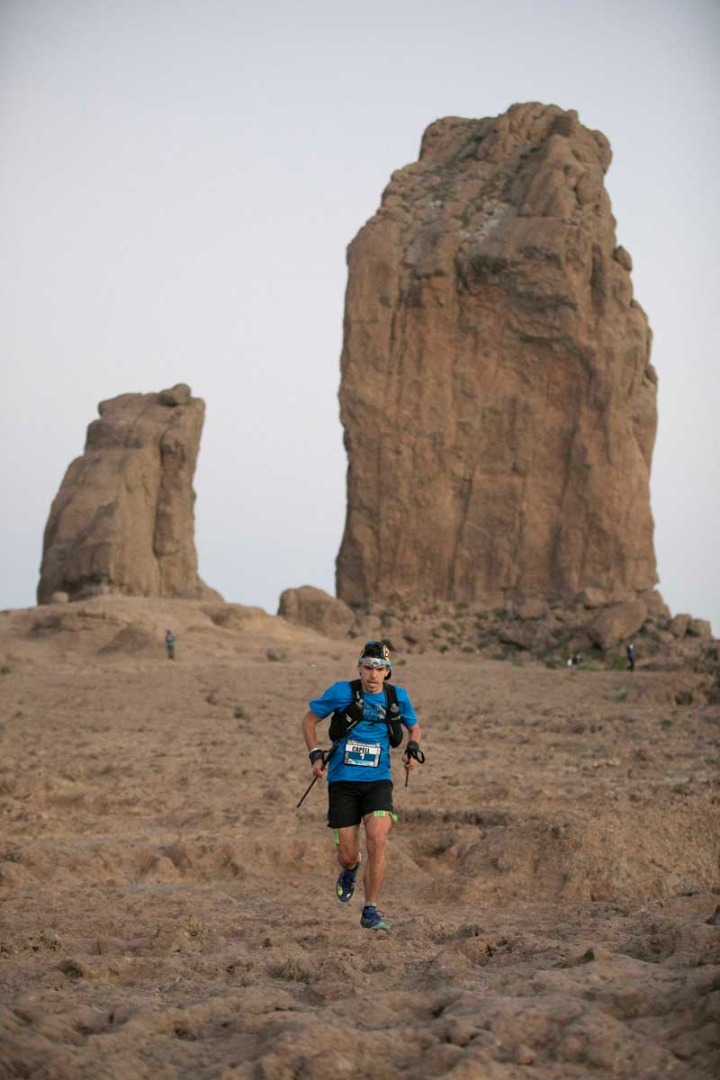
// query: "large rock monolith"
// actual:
[[123, 519], [497, 396]]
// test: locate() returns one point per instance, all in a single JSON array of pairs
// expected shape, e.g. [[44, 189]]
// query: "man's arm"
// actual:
[[309, 730], [414, 735]]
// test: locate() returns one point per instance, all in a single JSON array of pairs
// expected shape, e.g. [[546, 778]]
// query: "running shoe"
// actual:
[[372, 919], [345, 885]]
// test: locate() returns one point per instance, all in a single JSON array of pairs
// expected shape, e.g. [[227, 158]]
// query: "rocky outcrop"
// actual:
[[497, 396], [316, 609], [617, 623], [123, 519]]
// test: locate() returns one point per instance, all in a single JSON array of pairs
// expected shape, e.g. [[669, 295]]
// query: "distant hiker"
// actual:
[[368, 718], [630, 654], [170, 644]]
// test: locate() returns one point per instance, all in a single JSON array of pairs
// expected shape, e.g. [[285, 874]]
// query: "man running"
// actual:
[[367, 720]]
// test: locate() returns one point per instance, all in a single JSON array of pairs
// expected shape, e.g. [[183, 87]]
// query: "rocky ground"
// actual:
[[167, 912]]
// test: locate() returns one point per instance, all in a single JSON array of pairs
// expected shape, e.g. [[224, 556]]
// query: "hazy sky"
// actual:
[[179, 180]]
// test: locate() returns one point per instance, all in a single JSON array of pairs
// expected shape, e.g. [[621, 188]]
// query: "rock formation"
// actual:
[[497, 396], [123, 519], [312, 607]]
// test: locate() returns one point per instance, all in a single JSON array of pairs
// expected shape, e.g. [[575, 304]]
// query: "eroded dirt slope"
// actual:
[[166, 912]]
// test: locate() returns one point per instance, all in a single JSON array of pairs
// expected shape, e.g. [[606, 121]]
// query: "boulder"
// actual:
[[679, 625], [534, 608], [131, 639], [533, 638], [594, 598], [618, 623], [497, 396], [123, 519], [312, 607], [700, 628], [180, 394]]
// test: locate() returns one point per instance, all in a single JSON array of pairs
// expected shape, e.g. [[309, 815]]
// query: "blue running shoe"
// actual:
[[345, 886], [372, 919]]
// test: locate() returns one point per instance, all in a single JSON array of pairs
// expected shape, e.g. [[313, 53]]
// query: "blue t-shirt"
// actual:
[[364, 754]]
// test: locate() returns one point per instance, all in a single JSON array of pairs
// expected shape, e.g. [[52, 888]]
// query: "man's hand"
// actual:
[[413, 755], [318, 762]]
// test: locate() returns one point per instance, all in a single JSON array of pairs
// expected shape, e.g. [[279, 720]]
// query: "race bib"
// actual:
[[361, 754]]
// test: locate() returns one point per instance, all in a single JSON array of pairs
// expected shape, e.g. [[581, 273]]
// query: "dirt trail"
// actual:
[[166, 912]]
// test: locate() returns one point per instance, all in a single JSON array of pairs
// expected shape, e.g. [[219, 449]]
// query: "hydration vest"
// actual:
[[344, 720]]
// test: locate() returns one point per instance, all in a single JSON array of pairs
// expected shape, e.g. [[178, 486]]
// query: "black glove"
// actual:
[[412, 750]]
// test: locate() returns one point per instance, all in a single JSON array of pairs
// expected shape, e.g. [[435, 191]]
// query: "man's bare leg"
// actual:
[[348, 857], [348, 846], [377, 828]]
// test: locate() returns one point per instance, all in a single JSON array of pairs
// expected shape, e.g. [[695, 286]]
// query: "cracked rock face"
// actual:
[[123, 519], [497, 396]]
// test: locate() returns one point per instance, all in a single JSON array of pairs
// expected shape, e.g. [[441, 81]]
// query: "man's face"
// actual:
[[372, 678]]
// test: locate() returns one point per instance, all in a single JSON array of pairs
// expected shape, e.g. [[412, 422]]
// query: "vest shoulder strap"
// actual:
[[355, 709], [393, 716], [391, 698]]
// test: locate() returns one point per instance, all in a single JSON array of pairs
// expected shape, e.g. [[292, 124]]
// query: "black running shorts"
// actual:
[[350, 800]]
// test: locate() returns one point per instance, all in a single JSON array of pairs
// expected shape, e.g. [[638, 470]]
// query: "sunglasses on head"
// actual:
[[372, 662]]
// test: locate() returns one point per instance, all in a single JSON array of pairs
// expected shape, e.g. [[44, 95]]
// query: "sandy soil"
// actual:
[[166, 912]]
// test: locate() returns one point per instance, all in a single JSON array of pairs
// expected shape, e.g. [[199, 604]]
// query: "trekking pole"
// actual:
[[310, 787], [412, 750], [327, 754]]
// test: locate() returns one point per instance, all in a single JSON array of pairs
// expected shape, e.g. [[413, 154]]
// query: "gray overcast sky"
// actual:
[[179, 180]]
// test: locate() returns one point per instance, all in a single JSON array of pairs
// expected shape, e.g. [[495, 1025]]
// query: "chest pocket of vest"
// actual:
[[392, 719]]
